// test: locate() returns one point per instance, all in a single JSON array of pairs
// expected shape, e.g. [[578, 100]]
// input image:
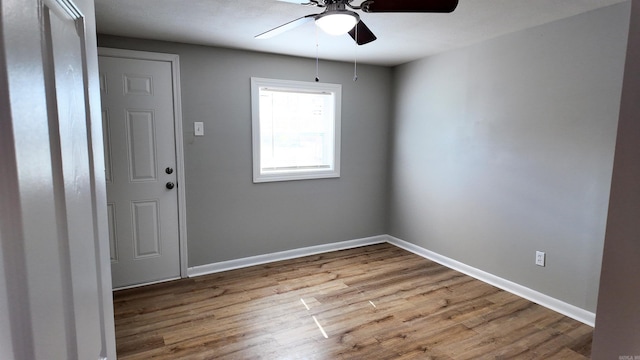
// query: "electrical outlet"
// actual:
[[540, 258]]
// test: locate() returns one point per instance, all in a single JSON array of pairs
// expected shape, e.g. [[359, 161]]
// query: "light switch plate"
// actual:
[[540, 258], [198, 128]]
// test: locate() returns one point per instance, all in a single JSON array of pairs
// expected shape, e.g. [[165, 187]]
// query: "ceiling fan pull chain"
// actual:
[[317, 61], [355, 56]]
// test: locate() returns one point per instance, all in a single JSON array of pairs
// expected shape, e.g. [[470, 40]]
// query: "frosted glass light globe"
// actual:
[[337, 23]]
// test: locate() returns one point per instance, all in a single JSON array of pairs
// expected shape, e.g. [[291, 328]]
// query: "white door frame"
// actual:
[[174, 60]]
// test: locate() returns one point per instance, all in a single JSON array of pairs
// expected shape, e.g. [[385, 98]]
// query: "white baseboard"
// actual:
[[547, 301], [282, 255]]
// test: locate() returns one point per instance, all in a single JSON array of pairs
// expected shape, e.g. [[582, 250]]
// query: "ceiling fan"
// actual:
[[337, 19]]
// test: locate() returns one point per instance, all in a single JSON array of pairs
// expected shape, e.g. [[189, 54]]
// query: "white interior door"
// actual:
[[140, 156]]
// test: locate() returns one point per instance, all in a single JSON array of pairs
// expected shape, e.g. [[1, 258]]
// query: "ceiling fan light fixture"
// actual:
[[337, 22]]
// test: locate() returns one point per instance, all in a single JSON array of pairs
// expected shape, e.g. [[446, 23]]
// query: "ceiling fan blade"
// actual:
[[434, 6], [361, 34], [286, 27]]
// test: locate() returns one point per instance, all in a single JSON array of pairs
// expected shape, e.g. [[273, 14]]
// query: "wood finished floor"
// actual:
[[374, 302]]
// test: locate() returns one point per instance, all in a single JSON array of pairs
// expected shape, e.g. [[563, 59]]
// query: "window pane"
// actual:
[[296, 127], [296, 130]]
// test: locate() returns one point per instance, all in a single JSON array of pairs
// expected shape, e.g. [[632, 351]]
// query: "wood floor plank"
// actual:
[[373, 302]]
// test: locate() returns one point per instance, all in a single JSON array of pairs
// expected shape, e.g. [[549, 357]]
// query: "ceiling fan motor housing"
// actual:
[[337, 8]]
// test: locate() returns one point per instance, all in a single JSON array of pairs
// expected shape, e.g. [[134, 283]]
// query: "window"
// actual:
[[296, 130]]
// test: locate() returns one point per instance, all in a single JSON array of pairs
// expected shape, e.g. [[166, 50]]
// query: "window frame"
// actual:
[[296, 86]]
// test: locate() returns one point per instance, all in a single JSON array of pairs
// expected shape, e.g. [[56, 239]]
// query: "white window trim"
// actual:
[[256, 84]]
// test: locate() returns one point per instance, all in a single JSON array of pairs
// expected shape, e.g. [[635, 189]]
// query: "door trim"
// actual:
[[174, 60]]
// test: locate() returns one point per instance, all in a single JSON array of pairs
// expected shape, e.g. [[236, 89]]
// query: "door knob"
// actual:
[[170, 185], [169, 170]]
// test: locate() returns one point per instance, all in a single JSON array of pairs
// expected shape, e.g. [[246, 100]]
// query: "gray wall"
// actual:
[[617, 331], [506, 147], [228, 216]]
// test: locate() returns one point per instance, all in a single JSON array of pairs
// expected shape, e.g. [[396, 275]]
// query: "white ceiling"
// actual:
[[401, 37]]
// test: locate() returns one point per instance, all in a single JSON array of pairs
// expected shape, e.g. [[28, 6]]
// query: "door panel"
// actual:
[[145, 229], [106, 139], [138, 115], [113, 245], [141, 145]]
